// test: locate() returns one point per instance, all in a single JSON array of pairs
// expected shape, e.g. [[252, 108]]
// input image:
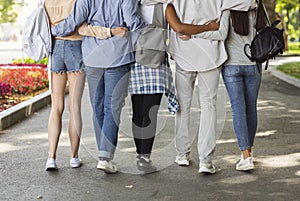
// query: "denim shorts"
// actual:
[[66, 56]]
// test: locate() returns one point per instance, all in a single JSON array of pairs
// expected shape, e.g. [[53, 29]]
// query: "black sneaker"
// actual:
[[145, 164]]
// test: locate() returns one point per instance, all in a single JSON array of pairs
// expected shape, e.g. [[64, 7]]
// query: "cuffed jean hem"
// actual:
[[105, 154], [245, 148]]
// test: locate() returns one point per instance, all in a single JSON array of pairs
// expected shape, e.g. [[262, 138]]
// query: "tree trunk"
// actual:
[[270, 6]]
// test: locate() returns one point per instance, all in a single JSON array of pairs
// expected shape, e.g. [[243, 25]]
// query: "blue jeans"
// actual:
[[242, 83], [108, 88]]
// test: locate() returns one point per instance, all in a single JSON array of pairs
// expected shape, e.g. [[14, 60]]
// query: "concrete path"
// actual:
[[23, 153]]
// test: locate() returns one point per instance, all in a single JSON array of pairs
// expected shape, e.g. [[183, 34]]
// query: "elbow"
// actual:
[[178, 29], [53, 31], [223, 37]]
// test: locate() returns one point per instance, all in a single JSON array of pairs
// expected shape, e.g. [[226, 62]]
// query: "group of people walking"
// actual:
[[95, 38]]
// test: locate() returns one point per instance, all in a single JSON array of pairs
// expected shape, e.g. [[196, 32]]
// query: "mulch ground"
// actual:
[[8, 102], [5, 104]]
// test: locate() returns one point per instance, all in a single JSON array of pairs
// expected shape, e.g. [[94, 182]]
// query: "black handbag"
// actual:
[[267, 44]]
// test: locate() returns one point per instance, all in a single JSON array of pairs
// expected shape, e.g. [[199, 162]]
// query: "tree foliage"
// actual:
[[289, 10], [7, 11]]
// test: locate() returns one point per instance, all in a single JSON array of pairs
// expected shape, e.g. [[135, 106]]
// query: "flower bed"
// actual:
[[19, 82]]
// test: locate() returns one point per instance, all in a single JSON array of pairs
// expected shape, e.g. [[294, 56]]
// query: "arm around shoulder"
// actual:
[[78, 15], [94, 31], [101, 32], [186, 29], [220, 34]]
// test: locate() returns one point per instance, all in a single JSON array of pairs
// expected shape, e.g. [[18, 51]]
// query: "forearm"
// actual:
[[63, 28], [188, 29], [182, 28], [220, 34], [94, 31], [212, 35]]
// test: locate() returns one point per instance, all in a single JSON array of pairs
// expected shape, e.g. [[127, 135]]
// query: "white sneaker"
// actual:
[[75, 162], [183, 160], [245, 164], [207, 168], [51, 164], [107, 167]]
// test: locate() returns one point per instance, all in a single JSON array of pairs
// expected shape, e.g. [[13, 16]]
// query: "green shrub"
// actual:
[[30, 61]]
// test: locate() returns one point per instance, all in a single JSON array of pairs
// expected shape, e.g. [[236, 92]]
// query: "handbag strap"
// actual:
[[42, 3], [158, 15]]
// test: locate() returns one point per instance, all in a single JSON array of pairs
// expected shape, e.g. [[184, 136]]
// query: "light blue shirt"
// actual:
[[111, 52]]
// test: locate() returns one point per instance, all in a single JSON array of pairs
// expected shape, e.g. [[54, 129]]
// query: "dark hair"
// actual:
[[240, 20]]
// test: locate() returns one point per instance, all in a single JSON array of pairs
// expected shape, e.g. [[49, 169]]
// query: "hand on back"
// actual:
[[214, 25], [119, 31]]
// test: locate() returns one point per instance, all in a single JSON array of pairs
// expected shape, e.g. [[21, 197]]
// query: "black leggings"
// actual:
[[145, 108]]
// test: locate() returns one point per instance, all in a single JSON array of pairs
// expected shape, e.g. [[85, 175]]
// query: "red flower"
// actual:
[[24, 79]]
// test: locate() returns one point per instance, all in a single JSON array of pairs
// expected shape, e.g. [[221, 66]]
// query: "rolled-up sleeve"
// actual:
[[78, 15]]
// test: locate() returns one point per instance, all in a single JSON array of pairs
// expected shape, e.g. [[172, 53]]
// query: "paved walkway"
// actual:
[[10, 51], [23, 153]]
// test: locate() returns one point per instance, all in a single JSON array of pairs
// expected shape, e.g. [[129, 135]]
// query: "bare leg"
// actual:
[[246, 153], [57, 107], [76, 85]]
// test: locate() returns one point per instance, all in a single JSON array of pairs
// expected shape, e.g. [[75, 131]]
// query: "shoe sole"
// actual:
[[51, 168], [182, 164], [75, 165], [207, 172], [246, 168], [107, 171]]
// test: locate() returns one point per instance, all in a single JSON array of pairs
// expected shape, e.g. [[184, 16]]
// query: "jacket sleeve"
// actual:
[[220, 34], [131, 15], [78, 15]]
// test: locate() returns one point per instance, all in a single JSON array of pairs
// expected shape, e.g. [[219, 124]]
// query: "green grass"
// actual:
[[294, 48], [292, 69]]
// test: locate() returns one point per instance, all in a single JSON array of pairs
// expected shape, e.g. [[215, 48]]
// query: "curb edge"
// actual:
[[284, 77], [24, 109]]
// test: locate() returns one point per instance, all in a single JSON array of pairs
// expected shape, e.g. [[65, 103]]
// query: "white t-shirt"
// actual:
[[199, 54]]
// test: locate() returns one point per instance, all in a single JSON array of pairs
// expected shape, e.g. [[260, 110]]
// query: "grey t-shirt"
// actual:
[[234, 42]]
